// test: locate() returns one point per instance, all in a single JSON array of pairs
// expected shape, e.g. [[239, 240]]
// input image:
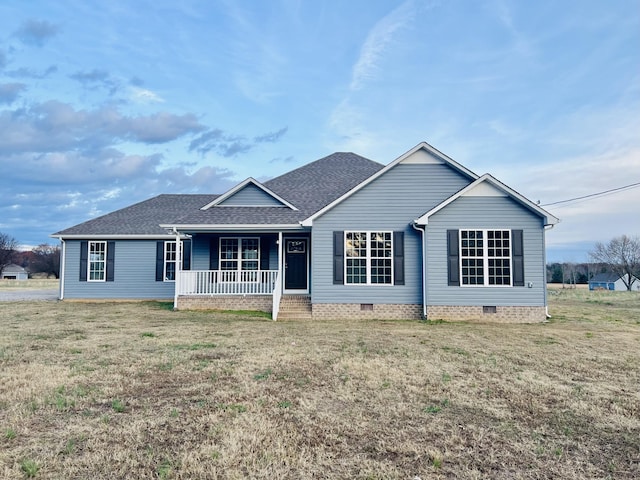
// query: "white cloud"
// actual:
[[142, 95], [377, 42]]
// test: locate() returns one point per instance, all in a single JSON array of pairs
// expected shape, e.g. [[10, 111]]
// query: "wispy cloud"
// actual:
[[271, 137], [142, 95], [229, 145], [97, 78], [26, 73], [378, 41], [36, 32]]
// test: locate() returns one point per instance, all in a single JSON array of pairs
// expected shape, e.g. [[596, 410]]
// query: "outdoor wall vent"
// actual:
[[489, 309], [368, 307]]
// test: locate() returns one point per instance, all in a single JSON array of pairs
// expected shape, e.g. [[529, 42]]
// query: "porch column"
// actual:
[[176, 284], [280, 261]]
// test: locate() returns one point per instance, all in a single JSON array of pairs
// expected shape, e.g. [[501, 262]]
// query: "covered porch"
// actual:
[[248, 270]]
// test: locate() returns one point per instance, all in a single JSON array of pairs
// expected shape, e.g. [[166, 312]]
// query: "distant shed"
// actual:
[[14, 272], [610, 281]]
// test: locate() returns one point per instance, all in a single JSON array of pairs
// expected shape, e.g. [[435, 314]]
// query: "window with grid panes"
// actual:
[[485, 257], [368, 258]]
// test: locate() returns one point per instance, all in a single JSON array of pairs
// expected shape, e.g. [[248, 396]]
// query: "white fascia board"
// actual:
[[509, 192], [308, 222], [112, 237], [233, 227], [243, 184]]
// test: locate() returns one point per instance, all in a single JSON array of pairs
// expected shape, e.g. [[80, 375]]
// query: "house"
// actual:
[[14, 272], [341, 237], [611, 281]]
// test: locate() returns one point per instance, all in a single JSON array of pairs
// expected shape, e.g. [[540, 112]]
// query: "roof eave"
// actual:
[[94, 236], [198, 227], [549, 219]]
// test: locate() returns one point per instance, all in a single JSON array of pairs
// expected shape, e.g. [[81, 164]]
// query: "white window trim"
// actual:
[[368, 259], [239, 259], [485, 257], [166, 262], [104, 262]]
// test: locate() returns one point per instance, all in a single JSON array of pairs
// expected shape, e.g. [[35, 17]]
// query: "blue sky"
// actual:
[[103, 104]]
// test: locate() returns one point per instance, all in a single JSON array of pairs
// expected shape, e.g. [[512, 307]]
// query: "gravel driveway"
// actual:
[[20, 295]]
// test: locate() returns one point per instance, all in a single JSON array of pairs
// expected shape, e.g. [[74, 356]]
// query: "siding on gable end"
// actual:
[[489, 213], [251, 195], [134, 264], [389, 203]]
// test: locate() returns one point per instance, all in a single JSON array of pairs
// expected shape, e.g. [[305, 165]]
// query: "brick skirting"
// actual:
[[496, 314], [357, 311], [261, 303]]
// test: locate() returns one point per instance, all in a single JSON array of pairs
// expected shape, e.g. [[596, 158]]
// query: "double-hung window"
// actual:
[[168, 254], [368, 258], [97, 261], [170, 259], [240, 257], [485, 258]]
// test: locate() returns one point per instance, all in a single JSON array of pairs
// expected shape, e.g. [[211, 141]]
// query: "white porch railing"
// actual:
[[226, 282]]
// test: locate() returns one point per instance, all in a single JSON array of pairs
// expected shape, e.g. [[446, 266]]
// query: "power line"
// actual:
[[632, 185]]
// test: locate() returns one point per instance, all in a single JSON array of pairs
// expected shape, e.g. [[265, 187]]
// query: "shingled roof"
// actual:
[[309, 188]]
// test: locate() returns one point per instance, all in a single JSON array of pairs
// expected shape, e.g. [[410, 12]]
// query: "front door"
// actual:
[[296, 264]]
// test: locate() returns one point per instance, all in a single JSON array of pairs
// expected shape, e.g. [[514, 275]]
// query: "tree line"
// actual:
[[619, 256], [44, 259]]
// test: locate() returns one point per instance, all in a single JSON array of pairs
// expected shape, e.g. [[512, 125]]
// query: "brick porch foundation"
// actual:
[[261, 303]]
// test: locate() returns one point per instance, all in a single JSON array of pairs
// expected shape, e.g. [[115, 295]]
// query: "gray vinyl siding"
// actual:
[[200, 252], [489, 213], [134, 273], [251, 195], [389, 203]]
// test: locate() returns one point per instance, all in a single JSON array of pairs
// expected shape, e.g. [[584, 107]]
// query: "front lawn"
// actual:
[[135, 390]]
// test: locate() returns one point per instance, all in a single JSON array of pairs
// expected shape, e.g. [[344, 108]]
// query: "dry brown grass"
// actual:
[[135, 390]]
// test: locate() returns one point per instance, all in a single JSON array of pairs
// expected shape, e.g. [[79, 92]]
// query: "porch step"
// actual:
[[296, 307]]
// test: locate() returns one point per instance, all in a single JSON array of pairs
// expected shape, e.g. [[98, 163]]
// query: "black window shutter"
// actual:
[[265, 246], [453, 259], [84, 256], [338, 258], [517, 257], [111, 252], [159, 261], [398, 258], [186, 254], [213, 254]]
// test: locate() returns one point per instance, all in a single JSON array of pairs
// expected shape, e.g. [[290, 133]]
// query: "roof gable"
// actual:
[[249, 193], [423, 153], [13, 268], [488, 186]]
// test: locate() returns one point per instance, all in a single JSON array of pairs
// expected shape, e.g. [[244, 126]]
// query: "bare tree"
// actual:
[[622, 256], [46, 259], [8, 248]]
